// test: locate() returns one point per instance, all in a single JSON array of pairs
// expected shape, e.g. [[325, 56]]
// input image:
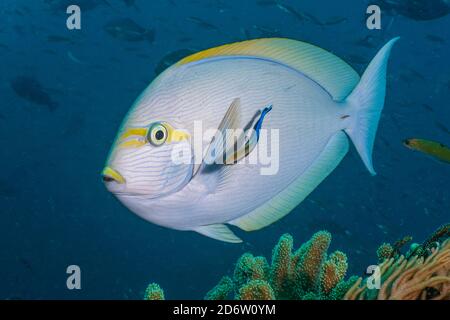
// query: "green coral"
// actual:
[[154, 292], [419, 274], [413, 278], [388, 251], [280, 267], [222, 290], [385, 251], [333, 271], [438, 236], [400, 243], [342, 288], [306, 273], [256, 290], [309, 273], [249, 268], [310, 263]]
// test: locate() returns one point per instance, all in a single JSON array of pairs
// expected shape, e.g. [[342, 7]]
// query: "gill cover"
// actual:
[[143, 160]]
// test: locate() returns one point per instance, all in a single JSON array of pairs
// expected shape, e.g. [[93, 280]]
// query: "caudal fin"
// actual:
[[366, 102]]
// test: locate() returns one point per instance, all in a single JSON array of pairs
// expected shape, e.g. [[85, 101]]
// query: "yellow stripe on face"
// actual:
[[109, 172], [173, 135], [133, 143], [142, 132]]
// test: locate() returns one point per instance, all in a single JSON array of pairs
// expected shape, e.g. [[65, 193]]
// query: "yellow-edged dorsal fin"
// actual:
[[323, 67]]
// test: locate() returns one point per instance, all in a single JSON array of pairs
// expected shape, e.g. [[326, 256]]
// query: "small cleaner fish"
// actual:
[[314, 101], [434, 149]]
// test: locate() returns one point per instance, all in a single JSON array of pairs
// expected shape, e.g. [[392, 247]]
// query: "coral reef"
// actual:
[[416, 278], [309, 273], [249, 268], [153, 292], [334, 271], [388, 251], [282, 264], [399, 244], [306, 273], [385, 251], [424, 249], [256, 290], [222, 290]]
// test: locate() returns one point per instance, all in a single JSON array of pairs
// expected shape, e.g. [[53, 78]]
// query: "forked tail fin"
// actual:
[[366, 102]]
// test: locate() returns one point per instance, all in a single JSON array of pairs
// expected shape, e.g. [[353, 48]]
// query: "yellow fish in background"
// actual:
[[434, 149], [313, 99]]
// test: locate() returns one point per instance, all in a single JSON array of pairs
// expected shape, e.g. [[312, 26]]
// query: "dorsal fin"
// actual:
[[323, 67]]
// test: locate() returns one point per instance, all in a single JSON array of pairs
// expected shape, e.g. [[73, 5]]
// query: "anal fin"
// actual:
[[219, 232]]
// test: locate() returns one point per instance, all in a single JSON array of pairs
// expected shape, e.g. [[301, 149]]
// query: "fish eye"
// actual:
[[157, 134]]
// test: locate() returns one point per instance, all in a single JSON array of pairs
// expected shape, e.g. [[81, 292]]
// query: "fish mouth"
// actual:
[[111, 175], [409, 143]]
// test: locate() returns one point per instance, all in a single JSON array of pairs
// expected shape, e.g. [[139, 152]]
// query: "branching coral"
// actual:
[[303, 274], [424, 249], [334, 271], [222, 290], [309, 273], [281, 264], [410, 279], [399, 244], [248, 268], [310, 262], [306, 273], [388, 251], [256, 290], [154, 292], [385, 251]]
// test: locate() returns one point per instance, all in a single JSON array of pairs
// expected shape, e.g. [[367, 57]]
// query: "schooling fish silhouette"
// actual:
[[416, 9], [31, 90], [128, 30]]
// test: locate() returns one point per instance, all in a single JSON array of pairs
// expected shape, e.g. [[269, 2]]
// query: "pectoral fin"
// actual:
[[231, 120], [229, 145], [248, 139]]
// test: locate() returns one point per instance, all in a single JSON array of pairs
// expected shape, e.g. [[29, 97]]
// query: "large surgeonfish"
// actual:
[[313, 99]]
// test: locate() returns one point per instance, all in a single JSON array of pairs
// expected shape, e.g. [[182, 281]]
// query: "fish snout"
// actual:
[[110, 175], [406, 142], [409, 143]]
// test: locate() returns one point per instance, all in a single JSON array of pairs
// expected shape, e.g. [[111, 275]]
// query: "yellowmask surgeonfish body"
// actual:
[[311, 99]]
